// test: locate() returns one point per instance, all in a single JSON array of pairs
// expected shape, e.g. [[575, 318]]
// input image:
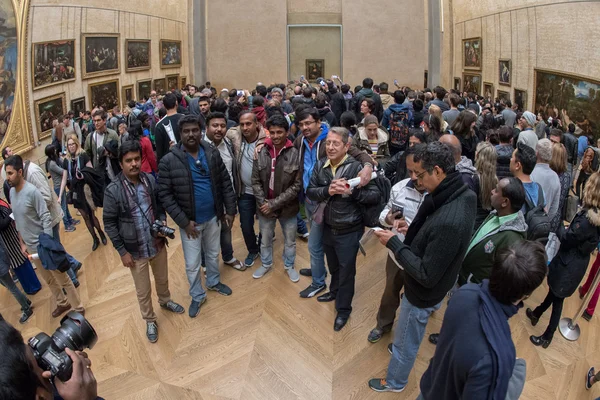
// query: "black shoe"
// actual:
[[95, 244], [103, 238], [433, 338], [194, 309], [221, 288], [375, 335], [391, 348], [327, 297], [339, 323], [173, 307], [534, 320], [581, 294], [587, 316], [312, 290], [540, 341], [306, 272], [25, 316]]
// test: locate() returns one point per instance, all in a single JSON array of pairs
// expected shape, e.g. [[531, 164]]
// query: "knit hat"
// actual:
[[371, 119], [277, 90], [529, 117]]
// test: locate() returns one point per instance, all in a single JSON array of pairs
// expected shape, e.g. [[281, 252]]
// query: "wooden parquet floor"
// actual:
[[264, 342]]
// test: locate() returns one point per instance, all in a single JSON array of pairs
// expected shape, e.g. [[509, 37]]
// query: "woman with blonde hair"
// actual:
[[437, 111], [75, 165], [567, 268], [485, 164], [558, 164]]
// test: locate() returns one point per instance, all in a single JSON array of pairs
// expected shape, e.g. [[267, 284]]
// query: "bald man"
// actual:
[[464, 165]]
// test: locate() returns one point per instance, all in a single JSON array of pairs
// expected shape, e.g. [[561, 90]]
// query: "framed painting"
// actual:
[[170, 53], [472, 53], [183, 81], [314, 69], [488, 91], [503, 95], [172, 82], [504, 72], [457, 84], [472, 83], [78, 106], [52, 63], [144, 87], [577, 99], [159, 85], [520, 97], [127, 94], [99, 54], [104, 94], [47, 110], [138, 54]]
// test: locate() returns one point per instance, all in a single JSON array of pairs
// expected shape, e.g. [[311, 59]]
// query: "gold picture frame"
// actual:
[[39, 73], [472, 82], [504, 71], [502, 95], [94, 64], [127, 94], [172, 82], [488, 91], [159, 85], [472, 53], [144, 87], [182, 81], [46, 110], [133, 64], [520, 98], [169, 52], [105, 94]]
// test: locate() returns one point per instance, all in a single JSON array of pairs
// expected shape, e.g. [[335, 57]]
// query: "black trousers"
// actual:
[[341, 251], [557, 306], [390, 300]]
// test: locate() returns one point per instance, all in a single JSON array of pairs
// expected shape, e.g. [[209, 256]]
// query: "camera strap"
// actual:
[[133, 194]]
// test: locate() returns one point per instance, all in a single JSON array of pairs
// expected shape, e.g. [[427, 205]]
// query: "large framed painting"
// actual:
[[172, 82], [504, 71], [78, 106], [472, 83], [457, 84], [577, 98], [144, 87], [521, 99], [47, 110], [503, 95], [104, 94], [488, 91], [99, 54], [314, 69], [138, 55], [183, 81], [170, 53], [52, 63], [472, 53], [159, 85], [127, 94]]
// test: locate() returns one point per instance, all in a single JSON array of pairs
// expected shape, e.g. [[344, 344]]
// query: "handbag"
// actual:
[[572, 205]]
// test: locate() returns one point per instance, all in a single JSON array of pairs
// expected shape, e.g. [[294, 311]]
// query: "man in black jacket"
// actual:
[[432, 254], [195, 189], [342, 218], [367, 93], [130, 208], [166, 131]]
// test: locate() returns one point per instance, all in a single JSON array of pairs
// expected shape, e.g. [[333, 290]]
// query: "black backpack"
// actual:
[[120, 120], [538, 222], [371, 212]]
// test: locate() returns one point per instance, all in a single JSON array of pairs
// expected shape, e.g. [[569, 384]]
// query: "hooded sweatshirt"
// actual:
[[386, 100], [261, 114], [387, 115], [311, 154]]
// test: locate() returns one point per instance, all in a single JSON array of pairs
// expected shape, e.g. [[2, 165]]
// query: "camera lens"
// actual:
[[75, 332]]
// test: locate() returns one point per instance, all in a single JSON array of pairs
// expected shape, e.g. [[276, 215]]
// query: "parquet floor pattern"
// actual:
[[264, 342]]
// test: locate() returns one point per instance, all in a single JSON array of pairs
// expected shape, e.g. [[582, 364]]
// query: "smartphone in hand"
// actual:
[[398, 210]]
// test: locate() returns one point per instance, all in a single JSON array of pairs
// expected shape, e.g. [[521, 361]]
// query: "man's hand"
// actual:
[[338, 186], [401, 226], [82, 385], [229, 220], [384, 236], [365, 176], [127, 260], [24, 249], [190, 230], [390, 218], [265, 208], [172, 143]]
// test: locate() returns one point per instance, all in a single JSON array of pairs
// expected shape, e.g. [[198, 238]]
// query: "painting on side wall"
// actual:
[[99, 54], [78, 106], [502, 95], [183, 81], [144, 87], [457, 84], [48, 109], [170, 53], [8, 64], [472, 83], [521, 99], [504, 72], [52, 63], [104, 94], [159, 85], [127, 94], [488, 91], [576, 98], [472, 53], [172, 82], [138, 54], [314, 69]]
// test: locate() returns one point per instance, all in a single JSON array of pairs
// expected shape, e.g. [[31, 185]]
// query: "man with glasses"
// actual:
[[277, 94], [95, 142]]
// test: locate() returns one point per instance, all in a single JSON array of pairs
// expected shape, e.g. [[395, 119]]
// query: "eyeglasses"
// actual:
[[419, 176]]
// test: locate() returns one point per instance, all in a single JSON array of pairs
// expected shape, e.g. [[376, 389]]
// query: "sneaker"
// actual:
[[304, 235], [312, 290], [235, 264], [375, 335], [152, 331], [390, 348], [306, 272], [249, 261], [221, 288], [25, 316], [15, 279], [194, 309], [76, 284], [77, 267], [75, 222], [70, 228], [261, 271], [173, 307], [380, 385], [293, 274]]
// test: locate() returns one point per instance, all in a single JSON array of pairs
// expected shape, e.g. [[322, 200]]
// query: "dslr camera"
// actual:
[[158, 227], [74, 332]]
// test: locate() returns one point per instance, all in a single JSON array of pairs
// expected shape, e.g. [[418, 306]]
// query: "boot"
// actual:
[[96, 243], [540, 341], [102, 237]]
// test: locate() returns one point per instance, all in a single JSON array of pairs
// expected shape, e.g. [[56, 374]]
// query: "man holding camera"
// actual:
[[130, 208], [95, 142]]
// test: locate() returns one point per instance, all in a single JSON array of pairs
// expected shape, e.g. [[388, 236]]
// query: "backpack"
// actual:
[[372, 211], [538, 222], [120, 120], [399, 129]]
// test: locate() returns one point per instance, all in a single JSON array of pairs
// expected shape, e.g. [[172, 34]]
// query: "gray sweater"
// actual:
[[31, 214], [550, 183]]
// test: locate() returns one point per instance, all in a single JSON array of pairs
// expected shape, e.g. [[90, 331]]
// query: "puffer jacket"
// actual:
[[362, 142], [504, 152], [235, 136], [176, 189], [343, 214], [287, 180]]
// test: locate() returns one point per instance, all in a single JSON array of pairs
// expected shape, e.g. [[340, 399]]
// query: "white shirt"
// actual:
[[226, 155]]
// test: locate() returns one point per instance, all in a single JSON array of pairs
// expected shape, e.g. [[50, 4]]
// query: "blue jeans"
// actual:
[[301, 228], [226, 244], [8, 283], [407, 339], [207, 240], [72, 260], [67, 219], [247, 208], [315, 246], [267, 231]]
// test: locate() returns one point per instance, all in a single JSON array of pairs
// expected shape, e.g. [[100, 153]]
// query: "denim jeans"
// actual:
[[72, 260], [208, 239], [226, 244], [67, 219], [267, 231], [247, 208], [407, 339], [315, 246], [301, 228], [8, 283]]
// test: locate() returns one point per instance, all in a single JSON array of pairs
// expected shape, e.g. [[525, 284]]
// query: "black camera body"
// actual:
[[158, 227], [75, 332]]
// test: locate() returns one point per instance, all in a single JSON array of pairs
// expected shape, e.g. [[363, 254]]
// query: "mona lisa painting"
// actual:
[[314, 69]]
